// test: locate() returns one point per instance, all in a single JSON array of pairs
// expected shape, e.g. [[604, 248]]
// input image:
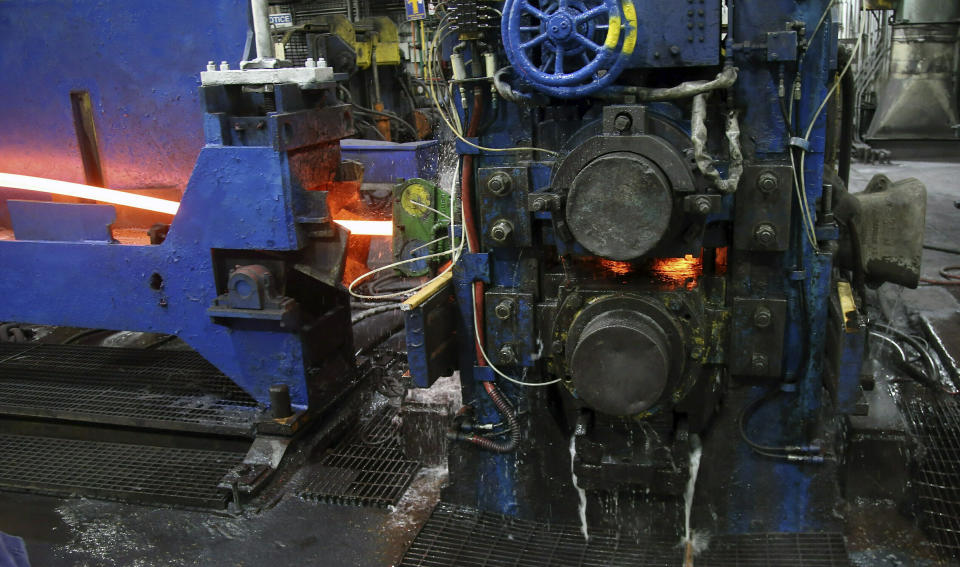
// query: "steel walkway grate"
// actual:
[[115, 471], [936, 477], [459, 536], [367, 468], [164, 389]]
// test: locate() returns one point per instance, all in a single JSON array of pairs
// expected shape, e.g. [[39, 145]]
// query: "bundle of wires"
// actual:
[[799, 173]]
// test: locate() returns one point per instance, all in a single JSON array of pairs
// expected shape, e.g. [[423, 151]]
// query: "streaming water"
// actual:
[[691, 543], [582, 507]]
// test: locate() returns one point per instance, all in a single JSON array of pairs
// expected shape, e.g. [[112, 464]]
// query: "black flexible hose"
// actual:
[[513, 426], [788, 452]]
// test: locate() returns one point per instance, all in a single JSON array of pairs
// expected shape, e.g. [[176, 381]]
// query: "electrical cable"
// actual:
[[816, 115], [455, 250], [509, 415], [364, 110], [496, 370], [944, 249], [431, 209], [394, 265], [456, 131], [948, 275], [808, 453], [891, 342], [931, 373]]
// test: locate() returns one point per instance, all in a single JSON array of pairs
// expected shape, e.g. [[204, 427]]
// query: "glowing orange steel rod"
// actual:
[[367, 227], [43, 185]]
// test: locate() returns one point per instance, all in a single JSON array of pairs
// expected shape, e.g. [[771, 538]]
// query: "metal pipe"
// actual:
[[848, 109], [261, 28], [934, 340]]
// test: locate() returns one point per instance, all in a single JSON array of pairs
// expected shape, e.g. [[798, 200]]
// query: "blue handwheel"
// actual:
[[553, 42]]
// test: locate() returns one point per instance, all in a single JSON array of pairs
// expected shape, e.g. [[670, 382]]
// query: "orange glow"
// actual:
[[367, 227], [53, 186], [720, 265], [618, 268], [681, 271]]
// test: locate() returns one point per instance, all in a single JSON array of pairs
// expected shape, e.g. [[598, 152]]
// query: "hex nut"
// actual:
[[765, 234], [758, 362], [500, 184], [501, 230], [762, 317], [622, 122], [504, 309], [768, 182], [507, 355], [702, 205]]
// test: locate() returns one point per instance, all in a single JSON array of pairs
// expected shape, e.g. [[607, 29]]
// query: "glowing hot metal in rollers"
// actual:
[[367, 227]]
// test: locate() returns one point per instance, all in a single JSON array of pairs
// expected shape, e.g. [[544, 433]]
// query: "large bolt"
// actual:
[[622, 122], [540, 204], [758, 362], [507, 355], [701, 205], [501, 230], [575, 301], [762, 317], [765, 234], [768, 182], [504, 309], [499, 184]]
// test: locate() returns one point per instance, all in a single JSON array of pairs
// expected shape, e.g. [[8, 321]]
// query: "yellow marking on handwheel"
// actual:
[[631, 14], [413, 197], [613, 32]]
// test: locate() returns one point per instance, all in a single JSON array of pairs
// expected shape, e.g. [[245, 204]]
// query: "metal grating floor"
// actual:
[[367, 468], [165, 389], [115, 471], [458, 536], [936, 479]]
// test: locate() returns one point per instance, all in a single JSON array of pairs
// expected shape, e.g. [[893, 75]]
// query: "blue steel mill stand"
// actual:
[[249, 273], [650, 222]]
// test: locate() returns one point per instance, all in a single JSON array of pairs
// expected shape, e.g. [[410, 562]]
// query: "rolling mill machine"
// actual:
[[642, 260], [652, 216]]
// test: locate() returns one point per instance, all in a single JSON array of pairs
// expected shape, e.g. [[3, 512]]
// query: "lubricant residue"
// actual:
[[582, 506]]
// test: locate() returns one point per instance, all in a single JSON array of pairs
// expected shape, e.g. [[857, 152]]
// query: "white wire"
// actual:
[[458, 131], [431, 243], [394, 265], [431, 209], [903, 355], [476, 337], [805, 217], [802, 192], [455, 250]]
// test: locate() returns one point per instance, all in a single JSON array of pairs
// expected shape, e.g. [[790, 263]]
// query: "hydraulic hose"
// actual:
[[473, 239], [509, 416]]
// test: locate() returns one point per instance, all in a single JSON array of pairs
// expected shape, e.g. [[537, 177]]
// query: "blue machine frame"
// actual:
[[250, 200], [756, 31]]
